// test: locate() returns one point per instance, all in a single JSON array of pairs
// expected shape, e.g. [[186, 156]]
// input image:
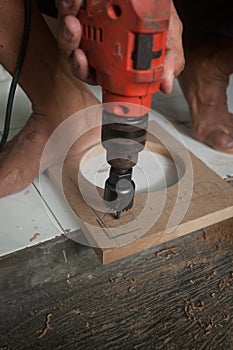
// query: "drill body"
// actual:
[[125, 42]]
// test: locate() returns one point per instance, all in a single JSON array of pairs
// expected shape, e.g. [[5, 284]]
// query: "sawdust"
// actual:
[[190, 266], [132, 281], [34, 237], [226, 282], [190, 309], [87, 325], [75, 312], [167, 253], [209, 277], [205, 322], [131, 289], [134, 308], [229, 178], [42, 332], [114, 280]]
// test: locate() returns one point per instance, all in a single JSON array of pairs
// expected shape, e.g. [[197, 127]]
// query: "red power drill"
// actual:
[[125, 42]]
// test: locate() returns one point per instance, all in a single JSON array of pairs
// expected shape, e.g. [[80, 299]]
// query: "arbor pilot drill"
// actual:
[[125, 42]]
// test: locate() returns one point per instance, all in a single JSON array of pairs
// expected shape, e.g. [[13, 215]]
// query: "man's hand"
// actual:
[[174, 57], [70, 37]]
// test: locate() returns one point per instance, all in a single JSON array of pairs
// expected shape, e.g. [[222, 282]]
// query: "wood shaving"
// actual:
[[131, 289], [210, 325], [65, 257], [131, 280], [34, 237], [198, 307], [206, 323], [42, 332], [223, 284], [226, 318], [134, 308], [75, 312], [195, 336], [167, 253], [214, 273], [114, 280], [228, 178], [190, 309]]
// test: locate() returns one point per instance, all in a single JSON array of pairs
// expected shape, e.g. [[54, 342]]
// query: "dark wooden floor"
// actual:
[[179, 296]]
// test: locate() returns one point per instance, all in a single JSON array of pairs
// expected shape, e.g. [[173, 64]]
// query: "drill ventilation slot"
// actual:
[[92, 33]]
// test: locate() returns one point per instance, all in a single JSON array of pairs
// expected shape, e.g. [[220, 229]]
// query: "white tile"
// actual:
[[96, 90], [61, 215], [21, 107], [172, 107], [22, 217], [4, 75]]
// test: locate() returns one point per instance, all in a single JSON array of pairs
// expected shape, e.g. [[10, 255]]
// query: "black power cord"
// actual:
[[15, 77]]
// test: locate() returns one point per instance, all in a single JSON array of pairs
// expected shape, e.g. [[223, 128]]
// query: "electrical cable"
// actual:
[[15, 77]]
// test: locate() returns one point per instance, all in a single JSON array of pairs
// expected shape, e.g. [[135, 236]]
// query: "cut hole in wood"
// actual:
[[154, 171]]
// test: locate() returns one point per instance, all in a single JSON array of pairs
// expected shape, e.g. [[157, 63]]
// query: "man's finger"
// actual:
[[68, 7], [81, 67], [168, 75], [69, 36]]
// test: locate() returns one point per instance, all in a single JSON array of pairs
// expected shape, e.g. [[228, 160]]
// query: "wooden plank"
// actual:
[[175, 296], [211, 201]]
